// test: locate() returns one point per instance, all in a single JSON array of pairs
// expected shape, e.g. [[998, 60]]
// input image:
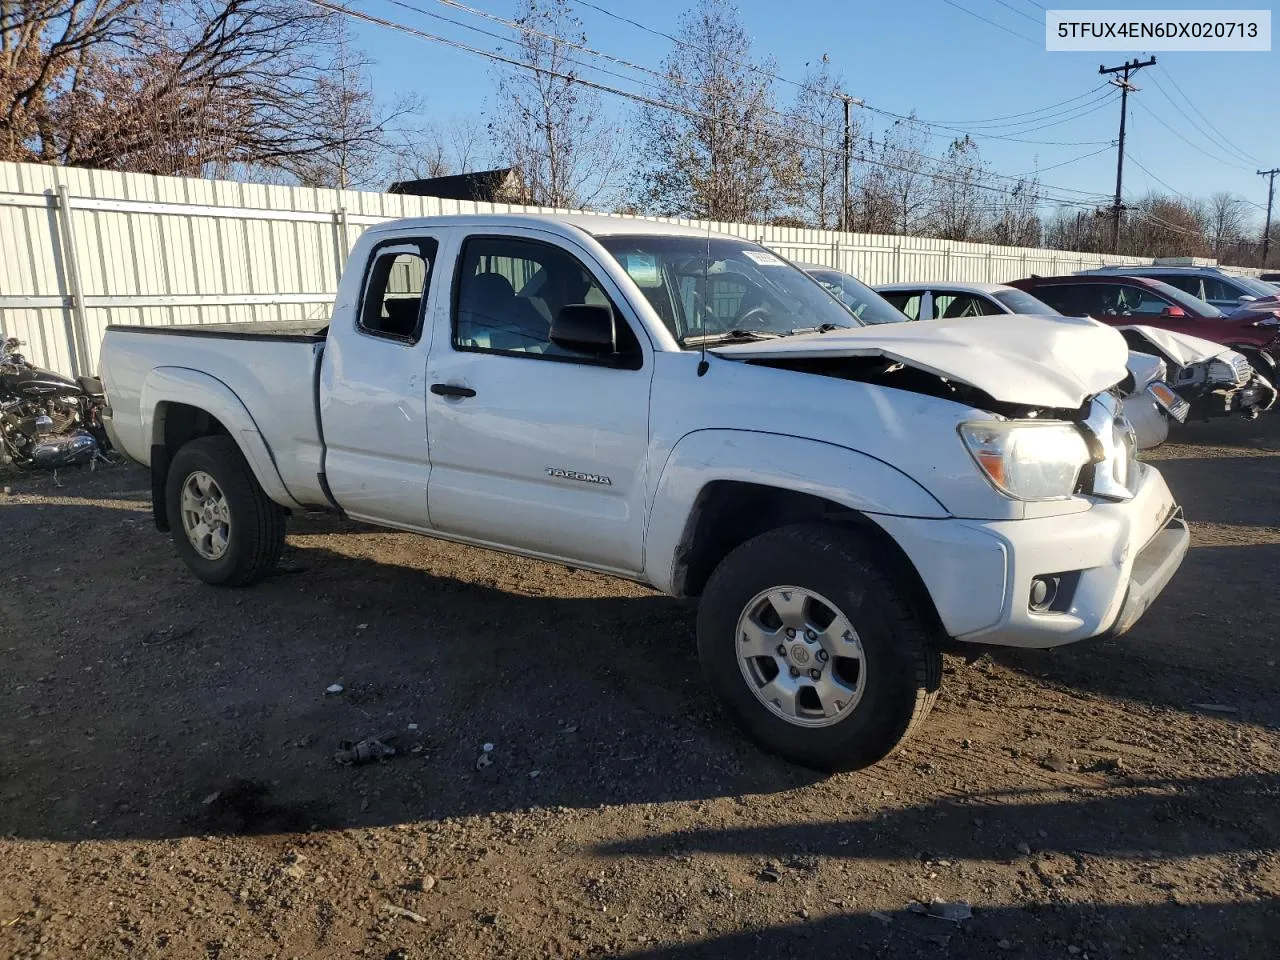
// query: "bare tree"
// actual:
[[1227, 219], [550, 126], [956, 209], [721, 154], [181, 86], [1016, 222], [817, 129], [437, 150], [896, 182], [41, 41]]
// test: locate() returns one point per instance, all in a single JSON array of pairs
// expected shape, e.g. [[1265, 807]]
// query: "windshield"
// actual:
[[1195, 305], [718, 288], [1259, 288], [1019, 301], [863, 302]]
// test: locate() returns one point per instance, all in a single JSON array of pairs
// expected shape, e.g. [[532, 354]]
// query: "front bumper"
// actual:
[[1116, 558]]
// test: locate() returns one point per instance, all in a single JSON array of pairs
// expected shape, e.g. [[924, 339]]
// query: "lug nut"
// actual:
[[822, 656], [791, 634], [815, 674], [782, 651], [810, 636], [795, 672]]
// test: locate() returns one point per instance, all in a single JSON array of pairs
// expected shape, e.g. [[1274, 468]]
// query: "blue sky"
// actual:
[[931, 57]]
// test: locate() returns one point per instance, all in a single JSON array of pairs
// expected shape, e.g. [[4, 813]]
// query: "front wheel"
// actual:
[[814, 648], [225, 527]]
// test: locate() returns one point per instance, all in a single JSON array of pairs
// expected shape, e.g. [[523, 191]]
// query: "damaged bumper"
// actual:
[[1049, 581]]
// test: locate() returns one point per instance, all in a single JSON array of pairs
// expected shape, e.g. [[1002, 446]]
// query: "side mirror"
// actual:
[[1173, 313], [1246, 298], [586, 328]]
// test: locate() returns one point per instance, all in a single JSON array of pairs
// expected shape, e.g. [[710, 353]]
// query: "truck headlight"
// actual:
[[1027, 460]]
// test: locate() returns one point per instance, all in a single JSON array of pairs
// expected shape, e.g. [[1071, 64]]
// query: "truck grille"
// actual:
[[1241, 367], [1115, 470]]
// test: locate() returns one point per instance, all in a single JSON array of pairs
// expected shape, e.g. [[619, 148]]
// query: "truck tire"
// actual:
[[814, 648], [227, 530]]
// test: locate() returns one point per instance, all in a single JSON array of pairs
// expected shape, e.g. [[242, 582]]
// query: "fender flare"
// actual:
[[195, 388], [840, 474]]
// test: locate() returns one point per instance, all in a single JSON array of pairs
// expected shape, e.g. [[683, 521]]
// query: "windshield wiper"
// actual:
[[820, 328], [728, 336]]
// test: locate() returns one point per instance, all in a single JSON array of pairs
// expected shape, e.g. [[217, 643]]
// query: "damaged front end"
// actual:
[[1108, 469], [1213, 380]]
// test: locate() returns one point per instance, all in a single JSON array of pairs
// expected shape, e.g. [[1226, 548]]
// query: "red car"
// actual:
[[1119, 301]]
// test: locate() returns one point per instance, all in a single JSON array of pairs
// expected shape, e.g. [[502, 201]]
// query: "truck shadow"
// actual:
[[145, 704]]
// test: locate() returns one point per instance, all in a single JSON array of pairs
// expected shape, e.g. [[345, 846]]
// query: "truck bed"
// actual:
[[264, 371], [287, 331]]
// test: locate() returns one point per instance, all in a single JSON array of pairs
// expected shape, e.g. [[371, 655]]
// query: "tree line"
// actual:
[[274, 90]]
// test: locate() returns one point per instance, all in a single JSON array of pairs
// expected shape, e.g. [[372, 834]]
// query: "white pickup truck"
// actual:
[[690, 411]]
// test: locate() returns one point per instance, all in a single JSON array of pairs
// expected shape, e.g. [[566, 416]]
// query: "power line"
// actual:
[[1012, 116], [1186, 116], [998, 26], [1194, 146], [1022, 13], [1169, 76], [660, 104], [583, 48]]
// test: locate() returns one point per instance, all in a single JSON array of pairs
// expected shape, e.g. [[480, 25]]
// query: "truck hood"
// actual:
[[1181, 348], [1037, 361]]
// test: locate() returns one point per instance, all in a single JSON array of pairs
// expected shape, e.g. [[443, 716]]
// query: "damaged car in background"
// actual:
[[1171, 375]]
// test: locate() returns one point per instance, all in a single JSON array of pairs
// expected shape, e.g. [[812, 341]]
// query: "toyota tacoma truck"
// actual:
[[691, 411]]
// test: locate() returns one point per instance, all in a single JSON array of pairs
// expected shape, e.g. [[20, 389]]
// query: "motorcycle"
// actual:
[[47, 420]]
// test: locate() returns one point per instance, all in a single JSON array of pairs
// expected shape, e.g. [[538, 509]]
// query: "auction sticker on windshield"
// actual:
[[1146, 30], [643, 269], [762, 258]]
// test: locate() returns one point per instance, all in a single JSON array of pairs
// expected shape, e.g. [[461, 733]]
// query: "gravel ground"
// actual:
[[168, 783]]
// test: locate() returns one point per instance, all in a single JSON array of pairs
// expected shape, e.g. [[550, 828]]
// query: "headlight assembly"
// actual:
[[1028, 460]]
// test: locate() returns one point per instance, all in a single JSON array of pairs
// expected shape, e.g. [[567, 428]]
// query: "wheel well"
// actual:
[[728, 513], [176, 425]]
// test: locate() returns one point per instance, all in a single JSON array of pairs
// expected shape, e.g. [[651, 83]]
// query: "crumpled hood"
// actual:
[[1037, 361], [1182, 348]]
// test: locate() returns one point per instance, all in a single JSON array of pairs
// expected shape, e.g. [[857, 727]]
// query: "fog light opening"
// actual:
[[1044, 591]]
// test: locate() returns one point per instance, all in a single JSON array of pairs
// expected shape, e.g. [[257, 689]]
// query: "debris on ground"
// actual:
[[1024, 848], [396, 911], [333, 689], [770, 874], [367, 750], [955, 911], [1216, 707]]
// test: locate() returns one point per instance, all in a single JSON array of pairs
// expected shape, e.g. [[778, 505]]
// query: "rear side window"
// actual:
[[948, 305], [395, 291], [1071, 300], [908, 303]]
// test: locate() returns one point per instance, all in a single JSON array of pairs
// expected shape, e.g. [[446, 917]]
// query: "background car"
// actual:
[[1228, 292], [1214, 380], [1123, 300], [863, 302]]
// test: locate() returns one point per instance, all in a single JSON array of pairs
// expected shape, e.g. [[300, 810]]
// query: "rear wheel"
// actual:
[[815, 650], [225, 527]]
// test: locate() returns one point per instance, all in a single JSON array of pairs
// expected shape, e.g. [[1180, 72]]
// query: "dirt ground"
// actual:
[[168, 786]]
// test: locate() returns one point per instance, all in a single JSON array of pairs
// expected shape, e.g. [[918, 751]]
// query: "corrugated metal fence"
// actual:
[[80, 249]]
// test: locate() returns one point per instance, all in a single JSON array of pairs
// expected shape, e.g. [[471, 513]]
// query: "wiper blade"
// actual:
[[820, 328], [728, 336]]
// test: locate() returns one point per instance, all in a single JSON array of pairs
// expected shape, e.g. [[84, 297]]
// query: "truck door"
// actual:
[[373, 386], [533, 446]]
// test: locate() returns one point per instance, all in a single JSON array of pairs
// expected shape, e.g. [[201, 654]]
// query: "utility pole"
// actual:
[[848, 150], [1128, 68], [1271, 194]]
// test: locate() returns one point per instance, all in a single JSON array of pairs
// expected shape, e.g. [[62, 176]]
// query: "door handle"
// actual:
[[451, 390]]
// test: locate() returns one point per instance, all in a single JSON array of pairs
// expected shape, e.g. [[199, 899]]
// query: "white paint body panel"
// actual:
[[1039, 361], [475, 469]]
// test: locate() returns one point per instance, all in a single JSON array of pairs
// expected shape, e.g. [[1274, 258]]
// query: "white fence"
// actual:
[[80, 249]]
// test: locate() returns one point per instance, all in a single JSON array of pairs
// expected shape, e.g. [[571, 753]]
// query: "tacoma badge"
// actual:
[[575, 475]]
